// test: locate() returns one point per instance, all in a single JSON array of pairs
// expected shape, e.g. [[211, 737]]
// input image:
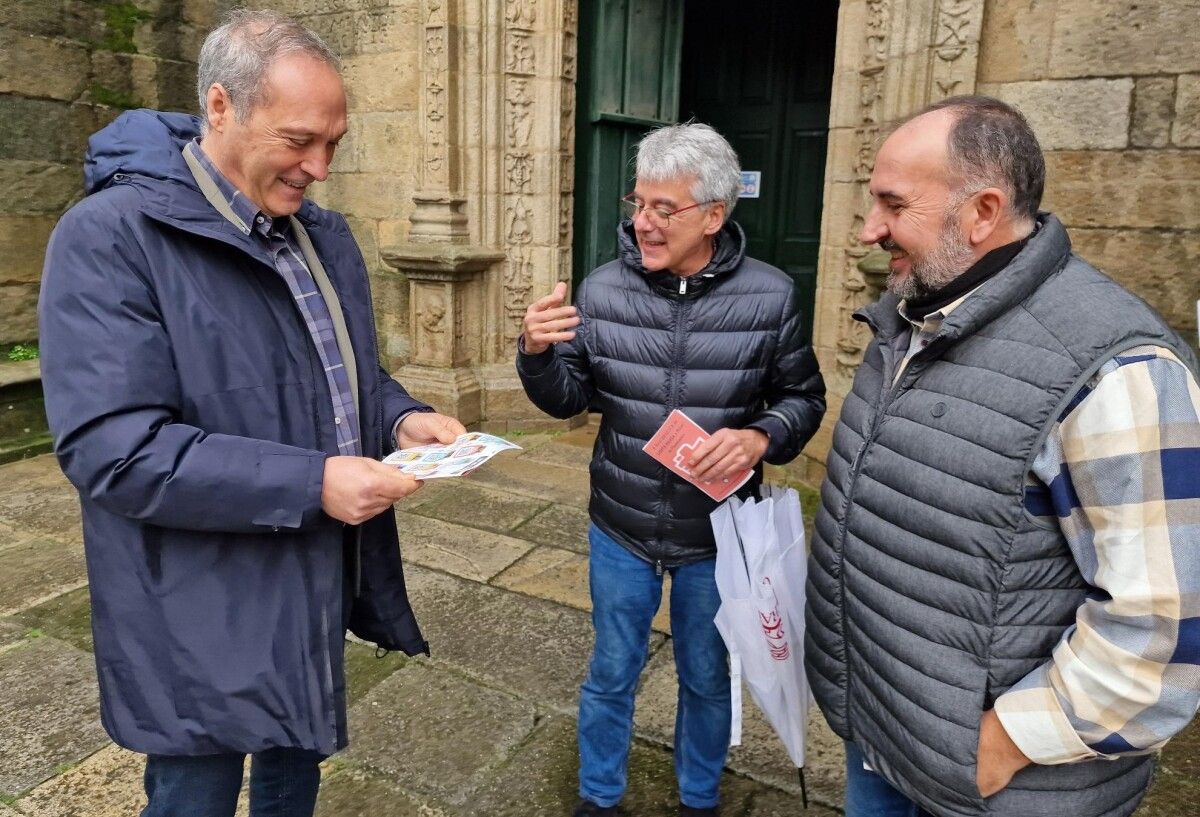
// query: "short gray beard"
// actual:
[[950, 258]]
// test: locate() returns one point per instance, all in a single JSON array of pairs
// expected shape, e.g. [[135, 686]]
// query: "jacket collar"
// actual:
[[728, 255], [1047, 250]]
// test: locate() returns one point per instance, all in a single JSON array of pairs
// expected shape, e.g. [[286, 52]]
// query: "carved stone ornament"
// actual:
[[431, 315], [520, 230], [518, 171], [435, 46], [518, 285], [520, 113], [954, 29], [519, 55], [520, 13]]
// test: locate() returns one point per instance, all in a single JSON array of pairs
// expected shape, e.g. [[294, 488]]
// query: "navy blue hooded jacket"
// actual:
[[190, 409]]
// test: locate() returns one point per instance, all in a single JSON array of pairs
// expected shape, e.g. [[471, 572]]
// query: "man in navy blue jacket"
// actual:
[[213, 385]]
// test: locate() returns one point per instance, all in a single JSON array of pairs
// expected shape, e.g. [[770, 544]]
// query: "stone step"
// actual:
[[24, 447]]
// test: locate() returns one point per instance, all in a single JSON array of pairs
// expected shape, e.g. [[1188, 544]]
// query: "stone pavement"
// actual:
[[497, 571]]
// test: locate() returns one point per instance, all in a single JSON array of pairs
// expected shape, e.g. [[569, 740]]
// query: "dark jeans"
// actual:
[[869, 795], [283, 783]]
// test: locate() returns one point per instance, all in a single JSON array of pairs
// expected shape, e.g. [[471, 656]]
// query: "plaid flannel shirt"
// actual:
[[276, 235], [1120, 475]]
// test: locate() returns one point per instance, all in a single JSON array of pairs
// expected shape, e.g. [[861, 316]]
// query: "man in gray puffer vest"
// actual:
[[681, 320], [1004, 615]]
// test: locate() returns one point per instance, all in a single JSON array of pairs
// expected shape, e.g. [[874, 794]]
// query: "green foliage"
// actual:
[[23, 351], [120, 22], [115, 99]]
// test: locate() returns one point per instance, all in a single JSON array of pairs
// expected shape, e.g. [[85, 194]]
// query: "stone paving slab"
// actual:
[[1175, 791], [107, 784], [365, 670], [435, 732], [552, 483], [39, 500], [575, 457], [49, 712], [467, 552], [560, 526], [11, 632], [761, 755], [352, 792], [67, 617], [772, 803], [37, 567], [562, 576], [539, 778], [582, 437], [480, 507], [534, 648]]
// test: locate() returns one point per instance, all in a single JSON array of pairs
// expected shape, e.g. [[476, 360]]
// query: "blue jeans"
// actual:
[[869, 795], [625, 596], [283, 783]]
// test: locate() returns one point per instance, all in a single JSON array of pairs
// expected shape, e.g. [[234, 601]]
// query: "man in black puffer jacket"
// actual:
[[681, 320]]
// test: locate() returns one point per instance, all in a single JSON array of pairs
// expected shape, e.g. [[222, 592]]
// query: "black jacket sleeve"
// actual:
[[795, 399], [559, 380]]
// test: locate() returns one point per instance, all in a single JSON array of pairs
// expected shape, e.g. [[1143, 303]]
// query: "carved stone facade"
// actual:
[[457, 176], [1114, 122], [479, 212], [892, 58]]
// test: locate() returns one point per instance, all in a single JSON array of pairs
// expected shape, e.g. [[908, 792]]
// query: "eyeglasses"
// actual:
[[658, 216]]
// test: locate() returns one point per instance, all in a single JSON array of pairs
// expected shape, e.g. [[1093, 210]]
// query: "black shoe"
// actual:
[[586, 808], [688, 811]]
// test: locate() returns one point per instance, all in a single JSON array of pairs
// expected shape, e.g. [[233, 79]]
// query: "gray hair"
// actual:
[[992, 145], [239, 53], [692, 151]]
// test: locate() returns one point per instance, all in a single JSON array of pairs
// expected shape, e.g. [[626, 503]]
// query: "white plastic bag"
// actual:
[[761, 570]]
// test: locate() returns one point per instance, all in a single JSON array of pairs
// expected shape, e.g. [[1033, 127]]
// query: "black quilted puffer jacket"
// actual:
[[725, 346]]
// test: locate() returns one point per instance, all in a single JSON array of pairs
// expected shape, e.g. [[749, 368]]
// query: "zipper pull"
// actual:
[[658, 568], [682, 291]]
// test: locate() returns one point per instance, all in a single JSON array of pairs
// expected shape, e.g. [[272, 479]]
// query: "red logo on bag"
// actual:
[[772, 627]]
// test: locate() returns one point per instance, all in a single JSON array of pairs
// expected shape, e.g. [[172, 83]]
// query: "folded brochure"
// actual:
[[673, 444], [464, 455]]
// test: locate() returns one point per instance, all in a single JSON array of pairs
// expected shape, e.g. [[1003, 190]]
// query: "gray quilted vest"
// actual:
[[931, 590]]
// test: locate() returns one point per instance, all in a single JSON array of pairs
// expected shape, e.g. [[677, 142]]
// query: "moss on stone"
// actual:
[[1176, 788], [67, 617], [115, 99], [364, 671], [120, 22]]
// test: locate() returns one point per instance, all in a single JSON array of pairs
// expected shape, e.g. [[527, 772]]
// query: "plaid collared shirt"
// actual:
[[276, 235], [1120, 475]]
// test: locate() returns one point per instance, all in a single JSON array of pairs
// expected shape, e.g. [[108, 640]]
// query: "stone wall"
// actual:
[[376, 166], [1112, 88], [67, 68], [456, 176]]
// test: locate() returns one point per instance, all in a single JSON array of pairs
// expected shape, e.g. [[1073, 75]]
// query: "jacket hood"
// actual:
[[731, 251], [140, 143]]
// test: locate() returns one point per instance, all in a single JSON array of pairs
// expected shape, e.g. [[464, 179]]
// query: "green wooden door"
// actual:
[[761, 74], [629, 57]]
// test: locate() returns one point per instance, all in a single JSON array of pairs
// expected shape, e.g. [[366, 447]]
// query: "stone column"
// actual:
[[491, 226], [445, 314], [535, 142], [444, 270], [893, 57]]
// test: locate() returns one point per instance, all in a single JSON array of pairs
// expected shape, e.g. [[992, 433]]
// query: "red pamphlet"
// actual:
[[673, 444]]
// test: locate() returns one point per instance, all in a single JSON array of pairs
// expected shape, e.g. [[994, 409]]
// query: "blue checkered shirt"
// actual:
[[276, 235]]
